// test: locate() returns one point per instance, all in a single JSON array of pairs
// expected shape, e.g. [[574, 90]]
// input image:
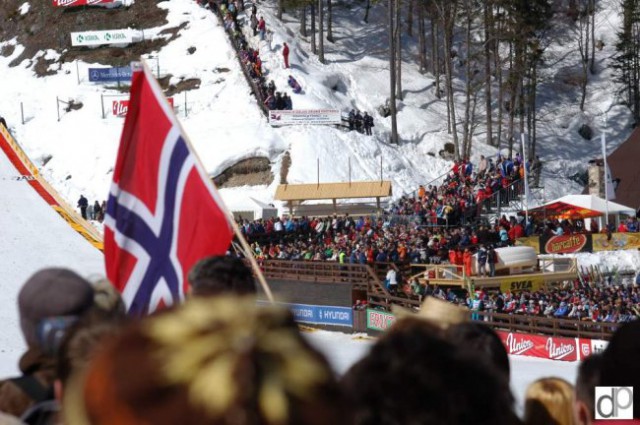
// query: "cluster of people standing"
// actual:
[[360, 123], [275, 100], [93, 211]]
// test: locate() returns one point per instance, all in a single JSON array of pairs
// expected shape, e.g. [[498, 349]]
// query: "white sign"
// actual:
[[305, 116], [97, 38], [614, 403]]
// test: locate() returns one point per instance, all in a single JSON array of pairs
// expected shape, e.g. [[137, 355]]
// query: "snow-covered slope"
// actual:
[[32, 236]]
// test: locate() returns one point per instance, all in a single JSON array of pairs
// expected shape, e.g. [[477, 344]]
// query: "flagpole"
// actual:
[[526, 182], [606, 179], [236, 230]]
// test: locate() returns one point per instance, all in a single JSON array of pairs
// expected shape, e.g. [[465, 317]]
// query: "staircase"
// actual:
[[511, 201]]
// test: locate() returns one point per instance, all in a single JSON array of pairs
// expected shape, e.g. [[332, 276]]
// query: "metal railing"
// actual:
[[547, 325]]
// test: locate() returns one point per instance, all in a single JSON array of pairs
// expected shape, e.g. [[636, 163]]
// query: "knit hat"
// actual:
[[48, 293]]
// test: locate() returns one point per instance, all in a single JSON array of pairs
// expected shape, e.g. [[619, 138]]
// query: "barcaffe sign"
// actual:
[[97, 38]]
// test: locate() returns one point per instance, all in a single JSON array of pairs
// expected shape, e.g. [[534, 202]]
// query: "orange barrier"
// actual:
[[30, 173]]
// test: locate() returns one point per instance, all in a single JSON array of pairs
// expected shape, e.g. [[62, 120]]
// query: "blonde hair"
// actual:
[[549, 401]]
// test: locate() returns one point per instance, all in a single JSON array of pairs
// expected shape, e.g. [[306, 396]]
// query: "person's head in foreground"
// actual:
[[483, 341], [49, 302], [549, 401], [620, 365], [586, 382], [218, 275], [414, 375], [220, 360]]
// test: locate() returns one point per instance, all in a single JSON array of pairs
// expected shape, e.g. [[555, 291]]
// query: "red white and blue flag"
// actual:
[[163, 213]]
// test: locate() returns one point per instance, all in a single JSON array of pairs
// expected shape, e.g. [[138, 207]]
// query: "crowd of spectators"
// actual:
[[597, 301], [222, 358]]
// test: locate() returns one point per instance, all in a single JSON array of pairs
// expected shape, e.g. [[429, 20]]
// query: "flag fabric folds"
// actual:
[[163, 214]]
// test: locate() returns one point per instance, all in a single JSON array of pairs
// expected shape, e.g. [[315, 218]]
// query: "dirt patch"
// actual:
[[248, 172], [42, 69], [284, 169], [184, 85], [7, 50], [46, 27]]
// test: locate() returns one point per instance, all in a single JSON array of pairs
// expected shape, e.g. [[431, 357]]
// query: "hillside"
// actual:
[[187, 45]]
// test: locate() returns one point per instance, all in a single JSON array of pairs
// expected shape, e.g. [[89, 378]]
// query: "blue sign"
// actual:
[[110, 74], [319, 314]]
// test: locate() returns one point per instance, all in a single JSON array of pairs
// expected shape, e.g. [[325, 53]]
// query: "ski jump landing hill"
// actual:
[[37, 229]]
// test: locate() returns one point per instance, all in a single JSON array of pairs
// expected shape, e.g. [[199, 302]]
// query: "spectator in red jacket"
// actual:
[[285, 55]]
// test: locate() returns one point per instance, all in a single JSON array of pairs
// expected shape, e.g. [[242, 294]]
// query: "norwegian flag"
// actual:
[[163, 214]]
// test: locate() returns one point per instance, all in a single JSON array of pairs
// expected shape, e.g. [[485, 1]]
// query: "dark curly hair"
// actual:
[[414, 376]]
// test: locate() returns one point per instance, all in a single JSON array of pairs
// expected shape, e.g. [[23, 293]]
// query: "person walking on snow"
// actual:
[[367, 120], [262, 26], [285, 55], [83, 203]]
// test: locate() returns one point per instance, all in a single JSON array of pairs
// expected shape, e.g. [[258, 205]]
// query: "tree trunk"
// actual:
[[435, 54], [592, 66], [410, 18], [467, 72], [513, 94], [280, 9], [330, 21], [303, 21], [487, 70], [497, 67], [398, 36], [448, 17], [321, 31], [422, 39], [313, 29], [392, 75], [366, 11]]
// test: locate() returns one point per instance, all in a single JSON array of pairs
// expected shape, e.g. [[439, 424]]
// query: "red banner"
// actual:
[[544, 347], [119, 108], [74, 3]]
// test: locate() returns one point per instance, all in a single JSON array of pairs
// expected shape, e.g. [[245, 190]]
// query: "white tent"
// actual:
[[595, 203], [252, 209]]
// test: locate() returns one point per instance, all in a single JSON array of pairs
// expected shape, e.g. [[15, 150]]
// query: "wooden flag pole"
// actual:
[[230, 219]]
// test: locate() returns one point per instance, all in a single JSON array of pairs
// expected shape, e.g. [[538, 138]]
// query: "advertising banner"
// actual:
[[379, 320], [97, 38], [319, 314], [591, 346], [119, 108], [75, 3], [110, 74], [601, 242], [544, 347], [565, 244], [520, 283], [305, 116]]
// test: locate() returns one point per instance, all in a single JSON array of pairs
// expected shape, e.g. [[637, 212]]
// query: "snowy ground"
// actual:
[[32, 236]]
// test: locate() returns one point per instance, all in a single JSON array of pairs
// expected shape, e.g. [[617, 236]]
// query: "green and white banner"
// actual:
[[97, 38]]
